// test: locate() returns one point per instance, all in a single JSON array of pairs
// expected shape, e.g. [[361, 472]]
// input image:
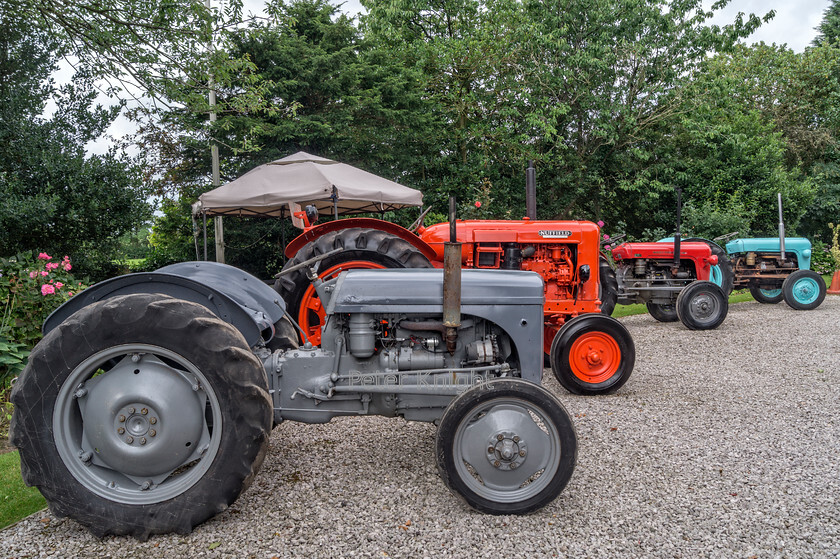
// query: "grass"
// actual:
[[16, 500]]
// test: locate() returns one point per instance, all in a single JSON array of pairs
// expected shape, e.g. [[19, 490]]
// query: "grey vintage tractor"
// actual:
[[147, 406]]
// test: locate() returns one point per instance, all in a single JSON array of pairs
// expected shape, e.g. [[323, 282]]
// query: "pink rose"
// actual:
[[607, 247], [58, 285], [47, 289], [44, 256], [67, 267], [32, 275], [600, 223], [606, 237], [477, 204], [52, 265], [43, 274]]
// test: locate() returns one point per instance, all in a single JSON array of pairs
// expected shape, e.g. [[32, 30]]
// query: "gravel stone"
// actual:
[[723, 443]]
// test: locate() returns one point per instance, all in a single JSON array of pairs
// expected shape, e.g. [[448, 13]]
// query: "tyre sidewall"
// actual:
[[789, 285], [684, 305]]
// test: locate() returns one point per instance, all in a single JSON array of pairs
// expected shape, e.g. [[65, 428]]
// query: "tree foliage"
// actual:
[[52, 195]]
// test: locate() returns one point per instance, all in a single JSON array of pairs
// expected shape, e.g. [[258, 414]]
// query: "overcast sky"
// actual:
[[793, 25]]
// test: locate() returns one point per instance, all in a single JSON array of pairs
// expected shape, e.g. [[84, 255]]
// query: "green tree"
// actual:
[[52, 195], [345, 100], [828, 31]]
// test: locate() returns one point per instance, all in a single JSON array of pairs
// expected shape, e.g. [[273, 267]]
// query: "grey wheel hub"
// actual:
[[703, 307], [506, 451]]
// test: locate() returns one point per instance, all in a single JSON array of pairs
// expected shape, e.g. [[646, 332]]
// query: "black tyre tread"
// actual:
[[608, 286], [662, 313], [196, 334], [502, 387], [787, 290], [724, 263], [359, 244], [561, 345], [683, 305], [756, 293]]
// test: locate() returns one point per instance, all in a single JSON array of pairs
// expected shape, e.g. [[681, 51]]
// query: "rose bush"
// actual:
[[30, 289]]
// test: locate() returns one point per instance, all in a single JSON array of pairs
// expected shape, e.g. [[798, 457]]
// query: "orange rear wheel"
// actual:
[[311, 313]]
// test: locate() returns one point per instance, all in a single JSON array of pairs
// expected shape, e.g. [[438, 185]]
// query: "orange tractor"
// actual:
[[588, 351]]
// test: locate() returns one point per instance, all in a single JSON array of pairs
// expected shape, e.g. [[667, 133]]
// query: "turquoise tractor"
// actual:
[[777, 268], [772, 268]]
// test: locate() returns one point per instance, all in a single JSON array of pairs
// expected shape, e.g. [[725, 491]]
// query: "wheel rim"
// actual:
[[770, 293], [311, 314], [704, 307], [137, 424], [507, 450], [805, 291], [594, 357]]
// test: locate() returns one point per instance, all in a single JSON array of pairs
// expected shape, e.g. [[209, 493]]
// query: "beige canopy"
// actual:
[[333, 187]]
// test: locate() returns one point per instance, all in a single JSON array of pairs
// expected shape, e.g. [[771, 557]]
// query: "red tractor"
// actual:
[[678, 280], [589, 352]]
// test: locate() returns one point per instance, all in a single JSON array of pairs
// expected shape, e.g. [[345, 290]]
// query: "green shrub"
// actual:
[[31, 287], [821, 259]]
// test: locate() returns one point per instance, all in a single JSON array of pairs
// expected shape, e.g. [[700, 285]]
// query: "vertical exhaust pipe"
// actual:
[[781, 230], [452, 282], [531, 191], [677, 239]]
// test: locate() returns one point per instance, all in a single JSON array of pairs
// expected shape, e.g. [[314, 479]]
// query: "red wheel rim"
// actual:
[[594, 357], [311, 313]]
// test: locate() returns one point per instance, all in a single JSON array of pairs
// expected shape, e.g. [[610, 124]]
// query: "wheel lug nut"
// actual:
[[129, 439], [490, 450], [516, 439], [122, 419], [153, 420], [131, 410], [500, 437], [512, 465], [146, 486], [120, 431], [135, 357], [522, 453], [497, 463], [85, 456], [144, 411], [143, 440], [152, 433]]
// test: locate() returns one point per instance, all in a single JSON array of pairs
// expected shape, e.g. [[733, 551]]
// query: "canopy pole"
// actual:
[[204, 221], [335, 202]]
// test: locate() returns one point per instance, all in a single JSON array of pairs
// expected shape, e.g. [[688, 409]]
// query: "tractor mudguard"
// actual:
[[363, 222], [233, 295]]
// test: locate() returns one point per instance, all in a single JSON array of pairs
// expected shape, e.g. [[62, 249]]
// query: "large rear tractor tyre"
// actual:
[[766, 296], [141, 414], [592, 354], [804, 290], [363, 248], [506, 447], [608, 286], [702, 305], [722, 274], [662, 313]]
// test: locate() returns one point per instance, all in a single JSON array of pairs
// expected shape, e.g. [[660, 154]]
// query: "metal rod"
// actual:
[[531, 191], [781, 230], [677, 234]]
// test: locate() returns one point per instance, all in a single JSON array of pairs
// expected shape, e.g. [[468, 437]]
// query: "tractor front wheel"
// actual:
[[702, 305], [804, 290], [592, 354], [506, 447]]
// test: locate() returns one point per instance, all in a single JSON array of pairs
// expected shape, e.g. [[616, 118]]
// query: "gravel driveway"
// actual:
[[722, 444]]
